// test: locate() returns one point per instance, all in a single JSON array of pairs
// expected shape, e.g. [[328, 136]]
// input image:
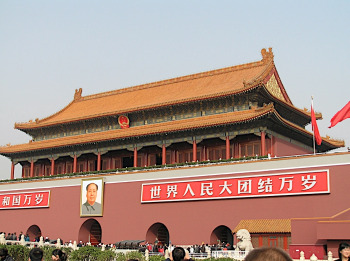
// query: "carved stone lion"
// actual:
[[244, 240]]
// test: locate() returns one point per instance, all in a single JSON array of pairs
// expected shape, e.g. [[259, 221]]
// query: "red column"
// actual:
[[135, 157], [109, 163], [172, 156], [99, 161], [146, 159], [32, 168], [163, 154], [194, 151], [260, 241], [272, 146], [52, 167], [228, 156], [12, 170], [75, 164], [263, 145], [285, 242]]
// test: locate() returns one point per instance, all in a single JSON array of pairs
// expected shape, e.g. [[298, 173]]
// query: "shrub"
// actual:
[[135, 255], [18, 252], [120, 257], [130, 255], [156, 258], [90, 253], [218, 259]]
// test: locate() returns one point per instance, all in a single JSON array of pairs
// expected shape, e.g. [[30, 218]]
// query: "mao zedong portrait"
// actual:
[[91, 207]]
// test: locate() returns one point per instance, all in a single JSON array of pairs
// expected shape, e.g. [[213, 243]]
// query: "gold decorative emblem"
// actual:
[[273, 87]]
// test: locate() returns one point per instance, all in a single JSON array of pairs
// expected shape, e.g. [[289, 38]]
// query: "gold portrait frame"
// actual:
[[95, 210]]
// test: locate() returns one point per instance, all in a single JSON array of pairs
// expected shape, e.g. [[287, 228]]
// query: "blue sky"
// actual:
[[50, 48]]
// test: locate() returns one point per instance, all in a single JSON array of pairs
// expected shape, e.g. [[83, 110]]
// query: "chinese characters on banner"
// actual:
[[238, 187], [37, 199]]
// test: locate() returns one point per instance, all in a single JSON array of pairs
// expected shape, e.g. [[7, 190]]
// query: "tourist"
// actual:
[[36, 254], [267, 253], [4, 255], [58, 254], [343, 252], [178, 254]]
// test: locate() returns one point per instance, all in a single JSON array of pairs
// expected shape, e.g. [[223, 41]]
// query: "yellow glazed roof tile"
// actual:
[[178, 125], [265, 225], [194, 87], [170, 126]]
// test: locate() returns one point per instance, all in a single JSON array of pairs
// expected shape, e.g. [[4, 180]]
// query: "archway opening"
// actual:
[[34, 233], [222, 235], [158, 234], [90, 231]]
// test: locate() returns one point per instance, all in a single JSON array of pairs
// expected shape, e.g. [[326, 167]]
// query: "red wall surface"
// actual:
[[285, 148], [188, 222]]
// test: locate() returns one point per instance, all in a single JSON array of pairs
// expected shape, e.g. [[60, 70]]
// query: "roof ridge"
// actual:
[[267, 61], [18, 125], [267, 58]]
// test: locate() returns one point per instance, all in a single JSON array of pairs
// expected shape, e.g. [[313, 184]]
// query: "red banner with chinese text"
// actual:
[[238, 187], [36, 199]]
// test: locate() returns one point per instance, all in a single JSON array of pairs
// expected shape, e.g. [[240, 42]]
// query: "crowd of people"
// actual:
[[179, 254], [261, 254], [13, 236], [258, 254], [193, 249], [176, 253]]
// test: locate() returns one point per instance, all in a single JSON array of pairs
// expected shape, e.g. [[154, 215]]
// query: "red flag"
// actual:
[[314, 126], [341, 115]]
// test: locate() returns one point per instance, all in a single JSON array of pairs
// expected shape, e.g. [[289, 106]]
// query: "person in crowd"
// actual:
[[268, 253], [343, 252], [4, 255], [36, 254], [58, 254], [178, 254]]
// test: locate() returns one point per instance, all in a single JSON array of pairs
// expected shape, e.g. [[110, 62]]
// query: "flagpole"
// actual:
[[313, 132]]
